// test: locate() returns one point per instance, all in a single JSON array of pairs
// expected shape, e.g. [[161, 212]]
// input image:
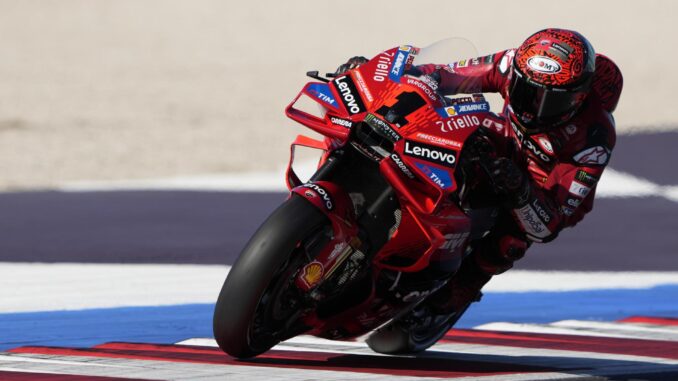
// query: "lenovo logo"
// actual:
[[349, 95], [437, 155]]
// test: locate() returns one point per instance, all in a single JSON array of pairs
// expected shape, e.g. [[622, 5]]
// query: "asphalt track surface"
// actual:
[[182, 227], [637, 234], [211, 228]]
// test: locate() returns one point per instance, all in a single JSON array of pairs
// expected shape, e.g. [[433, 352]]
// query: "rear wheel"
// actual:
[[414, 332], [259, 305]]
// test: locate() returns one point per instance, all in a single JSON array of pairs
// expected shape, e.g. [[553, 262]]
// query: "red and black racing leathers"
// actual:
[[565, 163]]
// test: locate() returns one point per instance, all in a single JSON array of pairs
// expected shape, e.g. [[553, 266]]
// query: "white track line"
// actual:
[[526, 281], [74, 286], [583, 329], [622, 327], [546, 356]]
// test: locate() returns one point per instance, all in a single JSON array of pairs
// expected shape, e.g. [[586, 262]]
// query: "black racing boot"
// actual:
[[462, 290]]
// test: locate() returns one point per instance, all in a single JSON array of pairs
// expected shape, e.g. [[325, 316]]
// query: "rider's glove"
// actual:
[[509, 181], [351, 64]]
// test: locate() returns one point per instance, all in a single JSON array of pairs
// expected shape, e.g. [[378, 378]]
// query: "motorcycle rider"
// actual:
[[555, 136]]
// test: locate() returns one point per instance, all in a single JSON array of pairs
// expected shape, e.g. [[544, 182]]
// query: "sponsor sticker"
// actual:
[[363, 86], [438, 140], [543, 214], [403, 168], [468, 108], [456, 101], [398, 65], [383, 63], [312, 273], [505, 63], [573, 202], [433, 154], [586, 178], [566, 211], [463, 108], [439, 177], [566, 50], [338, 248], [429, 81], [424, 87], [543, 64], [530, 144], [386, 130], [349, 95], [531, 222], [597, 155], [579, 189], [324, 194], [322, 91], [489, 123], [545, 143], [454, 241], [341, 122], [458, 123]]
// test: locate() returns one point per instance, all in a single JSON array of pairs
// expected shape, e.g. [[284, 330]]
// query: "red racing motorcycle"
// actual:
[[383, 223]]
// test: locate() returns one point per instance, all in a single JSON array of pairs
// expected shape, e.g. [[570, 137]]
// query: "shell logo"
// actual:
[[312, 274], [543, 65], [451, 111]]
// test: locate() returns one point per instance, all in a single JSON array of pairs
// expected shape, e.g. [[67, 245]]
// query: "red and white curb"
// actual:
[[638, 347]]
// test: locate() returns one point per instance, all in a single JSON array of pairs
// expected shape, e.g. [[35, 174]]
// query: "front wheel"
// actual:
[[258, 305]]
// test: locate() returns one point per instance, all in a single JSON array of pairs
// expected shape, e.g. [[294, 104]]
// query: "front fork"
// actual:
[[355, 227]]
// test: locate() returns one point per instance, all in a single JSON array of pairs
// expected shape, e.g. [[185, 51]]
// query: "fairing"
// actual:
[[393, 115]]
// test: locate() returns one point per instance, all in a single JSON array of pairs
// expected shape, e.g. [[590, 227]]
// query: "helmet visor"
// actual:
[[536, 105]]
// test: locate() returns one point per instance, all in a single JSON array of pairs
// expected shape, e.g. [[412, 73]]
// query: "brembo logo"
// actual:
[[430, 153], [543, 65], [349, 95], [323, 193]]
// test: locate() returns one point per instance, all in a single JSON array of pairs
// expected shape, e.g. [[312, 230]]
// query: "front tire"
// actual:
[[251, 300]]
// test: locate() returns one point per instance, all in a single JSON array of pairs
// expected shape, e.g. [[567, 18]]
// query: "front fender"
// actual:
[[330, 199]]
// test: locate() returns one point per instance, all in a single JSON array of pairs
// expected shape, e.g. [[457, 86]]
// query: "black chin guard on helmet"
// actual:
[[538, 107]]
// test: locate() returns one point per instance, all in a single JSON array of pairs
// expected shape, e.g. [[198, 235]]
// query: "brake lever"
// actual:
[[316, 75]]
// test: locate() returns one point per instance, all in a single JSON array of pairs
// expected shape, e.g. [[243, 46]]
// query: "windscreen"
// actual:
[[451, 53]]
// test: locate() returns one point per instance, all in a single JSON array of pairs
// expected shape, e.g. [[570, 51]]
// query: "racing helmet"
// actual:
[[552, 74]]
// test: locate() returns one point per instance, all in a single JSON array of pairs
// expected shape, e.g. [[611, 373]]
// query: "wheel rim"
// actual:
[[281, 302]]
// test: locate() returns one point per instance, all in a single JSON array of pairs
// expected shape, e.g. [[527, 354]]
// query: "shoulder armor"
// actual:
[[607, 82]]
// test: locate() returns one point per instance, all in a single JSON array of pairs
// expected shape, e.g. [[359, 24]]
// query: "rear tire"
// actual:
[[400, 337], [255, 285]]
